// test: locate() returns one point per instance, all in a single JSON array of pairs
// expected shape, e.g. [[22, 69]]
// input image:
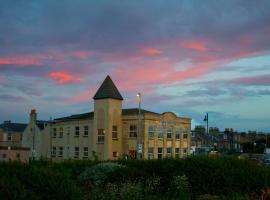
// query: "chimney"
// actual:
[[33, 116]]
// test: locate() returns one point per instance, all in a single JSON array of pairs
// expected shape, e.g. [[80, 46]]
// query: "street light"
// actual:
[[207, 133], [206, 120], [140, 145]]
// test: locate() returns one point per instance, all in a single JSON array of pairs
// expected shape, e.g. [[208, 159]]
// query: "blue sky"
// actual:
[[189, 57]]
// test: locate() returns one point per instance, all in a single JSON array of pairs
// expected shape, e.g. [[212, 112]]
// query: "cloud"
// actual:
[[27, 60], [63, 78], [12, 98], [151, 51], [252, 80], [197, 46]]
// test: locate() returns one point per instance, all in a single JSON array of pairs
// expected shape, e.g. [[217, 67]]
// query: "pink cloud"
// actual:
[[20, 60], [152, 51], [63, 78], [197, 46], [80, 54], [82, 96]]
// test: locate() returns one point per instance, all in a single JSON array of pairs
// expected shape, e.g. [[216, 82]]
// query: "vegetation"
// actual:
[[192, 178]]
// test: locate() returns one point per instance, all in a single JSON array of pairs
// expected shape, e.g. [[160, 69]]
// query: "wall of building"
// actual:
[[10, 138], [151, 124], [74, 139], [14, 153]]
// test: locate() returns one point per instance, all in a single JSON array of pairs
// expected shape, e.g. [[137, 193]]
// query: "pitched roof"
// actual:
[[135, 111], [41, 124], [14, 127], [108, 90], [89, 115]]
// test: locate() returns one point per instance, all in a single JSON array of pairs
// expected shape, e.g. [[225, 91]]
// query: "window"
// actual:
[[169, 133], [185, 133], [54, 132], [160, 153], [76, 152], [101, 136], [53, 152], [150, 153], [132, 131], [85, 132], [115, 154], [114, 132], [177, 153], [60, 154], [160, 132], [77, 131], [9, 137], [177, 133], [61, 130], [185, 152], [169, 152], [85, 152], [151, 132]]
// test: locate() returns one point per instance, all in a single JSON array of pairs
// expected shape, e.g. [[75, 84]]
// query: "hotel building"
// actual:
[[110, 132]]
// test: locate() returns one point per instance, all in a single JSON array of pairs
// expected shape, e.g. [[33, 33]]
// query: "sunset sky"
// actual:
[[189, 57]]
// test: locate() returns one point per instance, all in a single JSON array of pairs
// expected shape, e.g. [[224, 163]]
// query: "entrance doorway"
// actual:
[[132, 154]]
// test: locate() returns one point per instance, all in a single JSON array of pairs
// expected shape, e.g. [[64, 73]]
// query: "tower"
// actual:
[[107, 127]]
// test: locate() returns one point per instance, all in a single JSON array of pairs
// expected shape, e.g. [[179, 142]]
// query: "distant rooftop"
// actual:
[[13, 127]]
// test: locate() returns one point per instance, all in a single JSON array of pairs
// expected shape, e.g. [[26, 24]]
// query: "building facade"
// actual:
[[11, 142], [111, 132]]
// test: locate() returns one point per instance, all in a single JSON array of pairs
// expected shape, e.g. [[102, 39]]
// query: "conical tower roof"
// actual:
[[108, 90]]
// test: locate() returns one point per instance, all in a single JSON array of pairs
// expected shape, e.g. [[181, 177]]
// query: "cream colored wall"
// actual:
[[15, 138], [33, 135], [69, 140], [167, 120], [112, 115]]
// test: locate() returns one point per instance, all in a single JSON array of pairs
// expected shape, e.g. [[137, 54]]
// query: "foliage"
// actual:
[[191, 178]]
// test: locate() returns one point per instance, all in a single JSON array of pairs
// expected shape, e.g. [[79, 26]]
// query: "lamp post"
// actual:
[[207, 132], [140, 145], [206, 119]]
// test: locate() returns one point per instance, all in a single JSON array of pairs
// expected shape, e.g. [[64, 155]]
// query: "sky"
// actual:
[[188, 57]]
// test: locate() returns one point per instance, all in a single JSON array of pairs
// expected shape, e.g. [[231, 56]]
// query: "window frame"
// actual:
[[114, 132], [61, 132], [60, 152], [169, 132], [85, 131], [160, 153], [77, 131], [151, 133], [85, 152], [160, 132], [177, 133], [177, 153], [101, 136], [54, 133], [53, 153], [76, 152], [150, 153], [133, 131], [185, 133], [169, 154]]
